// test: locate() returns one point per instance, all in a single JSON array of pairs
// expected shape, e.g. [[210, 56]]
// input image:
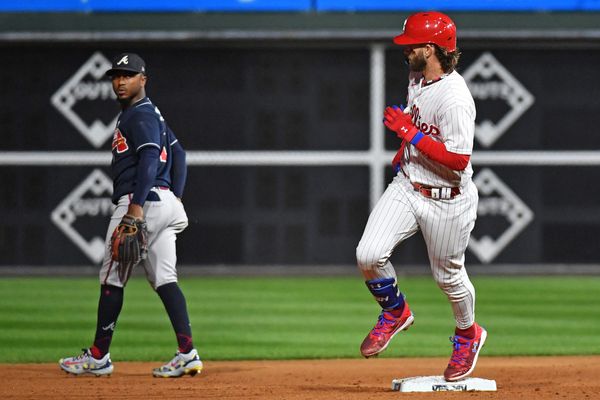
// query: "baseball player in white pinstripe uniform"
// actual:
[[431, 192]]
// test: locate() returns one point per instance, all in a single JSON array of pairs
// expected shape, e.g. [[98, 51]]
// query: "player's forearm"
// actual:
[[146, 174], [178, 170], [438, 152]]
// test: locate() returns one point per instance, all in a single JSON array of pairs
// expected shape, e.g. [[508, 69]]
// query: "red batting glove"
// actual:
[[396, 120]]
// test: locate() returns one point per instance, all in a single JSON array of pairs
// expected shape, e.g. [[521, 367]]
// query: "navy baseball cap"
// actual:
[[129, 62]]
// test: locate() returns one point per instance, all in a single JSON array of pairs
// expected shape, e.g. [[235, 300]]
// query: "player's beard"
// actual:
[[131, 96], [417, 63], [125, 101]]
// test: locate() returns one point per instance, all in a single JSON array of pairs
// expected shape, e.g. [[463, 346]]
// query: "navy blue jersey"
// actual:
[[138, 126]]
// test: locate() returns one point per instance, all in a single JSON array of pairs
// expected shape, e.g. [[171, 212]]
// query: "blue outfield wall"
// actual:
[[293, 5], [458, 5], [155, 5]]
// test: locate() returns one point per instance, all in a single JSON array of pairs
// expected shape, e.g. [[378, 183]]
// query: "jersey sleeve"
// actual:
[[145, 131], [171, 139], [179, 166], [457, 125]]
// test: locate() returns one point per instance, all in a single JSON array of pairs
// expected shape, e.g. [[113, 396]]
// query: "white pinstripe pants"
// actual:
[[446, 226]]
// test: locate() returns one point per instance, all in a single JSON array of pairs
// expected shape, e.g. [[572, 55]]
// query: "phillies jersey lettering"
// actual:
[[445, 111], [139, 126], [422, 126]]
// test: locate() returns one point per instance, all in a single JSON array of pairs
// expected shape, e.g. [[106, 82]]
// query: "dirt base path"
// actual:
[[531, 378]]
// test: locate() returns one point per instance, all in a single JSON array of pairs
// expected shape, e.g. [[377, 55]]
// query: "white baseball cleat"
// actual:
[[181, 364], [86, 364]]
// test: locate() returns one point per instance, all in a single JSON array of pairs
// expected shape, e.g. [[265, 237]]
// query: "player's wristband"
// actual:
[[418, 136]]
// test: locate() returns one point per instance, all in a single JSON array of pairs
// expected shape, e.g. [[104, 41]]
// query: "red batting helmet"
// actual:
[[429, 27]]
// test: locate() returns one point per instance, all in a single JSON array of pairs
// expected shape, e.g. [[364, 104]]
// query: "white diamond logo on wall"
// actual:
[[87, 84], [497, 200], [489, 80], [91, 198]]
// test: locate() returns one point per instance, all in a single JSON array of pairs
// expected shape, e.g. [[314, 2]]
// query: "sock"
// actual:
[[468, 333], [175, 305], [109, 308]]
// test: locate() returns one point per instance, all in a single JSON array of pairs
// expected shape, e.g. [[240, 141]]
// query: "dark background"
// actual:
[[288, 97]]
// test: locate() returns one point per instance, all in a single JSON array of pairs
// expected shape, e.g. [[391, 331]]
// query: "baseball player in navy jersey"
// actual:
[[431, 192], [149, 174]]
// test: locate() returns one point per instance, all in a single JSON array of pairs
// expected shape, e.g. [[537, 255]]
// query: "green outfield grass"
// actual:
[[43, 319]]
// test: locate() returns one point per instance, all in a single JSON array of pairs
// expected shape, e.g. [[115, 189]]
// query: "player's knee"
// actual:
[[369, 259], [363, 260], [448, 282], [162, 282], [447, 271]]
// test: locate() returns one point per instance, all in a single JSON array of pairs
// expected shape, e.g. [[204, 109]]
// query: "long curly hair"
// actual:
[[448, 60]]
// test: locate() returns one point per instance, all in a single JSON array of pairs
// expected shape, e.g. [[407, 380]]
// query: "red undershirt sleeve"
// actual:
[[437, 152]]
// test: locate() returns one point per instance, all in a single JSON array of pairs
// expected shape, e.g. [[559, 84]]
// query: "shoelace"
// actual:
[[383, 324], [175, 361], [461, 351], [81, 356]]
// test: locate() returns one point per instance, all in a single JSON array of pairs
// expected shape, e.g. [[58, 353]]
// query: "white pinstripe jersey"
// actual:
[[445, 111]]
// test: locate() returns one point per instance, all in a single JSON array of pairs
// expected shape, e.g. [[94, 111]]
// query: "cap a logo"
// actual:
[[163, 154], [124, 60], [119, 142]]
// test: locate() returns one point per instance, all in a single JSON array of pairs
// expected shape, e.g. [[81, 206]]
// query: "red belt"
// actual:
[[441, 193]]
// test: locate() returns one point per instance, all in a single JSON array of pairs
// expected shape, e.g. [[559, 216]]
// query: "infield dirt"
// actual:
[[517, 378]]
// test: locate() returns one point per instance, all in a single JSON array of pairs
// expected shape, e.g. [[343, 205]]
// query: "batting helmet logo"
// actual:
[[429, 27]]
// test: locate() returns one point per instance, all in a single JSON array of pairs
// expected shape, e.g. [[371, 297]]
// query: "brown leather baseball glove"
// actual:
[[129, 245]]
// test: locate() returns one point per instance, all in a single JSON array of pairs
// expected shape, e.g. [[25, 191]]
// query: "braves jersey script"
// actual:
[[445, 111], [138, 126]]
